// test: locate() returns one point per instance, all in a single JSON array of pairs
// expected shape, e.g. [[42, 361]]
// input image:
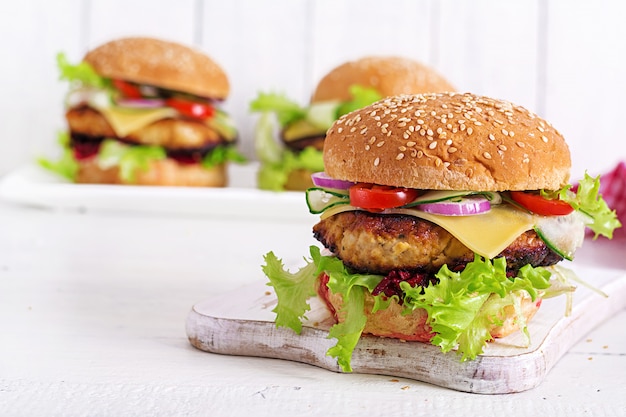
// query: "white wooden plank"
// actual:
[[168, 19], [263, 47], [347, 30], [585, 81], [490, 47], [31, 34]]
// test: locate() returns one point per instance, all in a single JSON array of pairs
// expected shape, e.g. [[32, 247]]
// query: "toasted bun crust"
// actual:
[[389, 75], [447, 141], [166, 172], [390, 322], [161, 63]]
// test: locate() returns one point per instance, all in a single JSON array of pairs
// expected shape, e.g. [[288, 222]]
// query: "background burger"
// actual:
[[443, 217], [146, 111], [352, 85]]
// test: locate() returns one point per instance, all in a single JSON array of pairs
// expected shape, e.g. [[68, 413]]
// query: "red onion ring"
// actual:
[[321, 179], [466, 207]]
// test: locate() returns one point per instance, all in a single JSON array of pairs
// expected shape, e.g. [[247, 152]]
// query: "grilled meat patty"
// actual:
[[175, 133], [378, 244]]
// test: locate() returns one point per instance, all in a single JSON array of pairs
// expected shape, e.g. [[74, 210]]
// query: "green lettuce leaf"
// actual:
[[292, 290], [351, 287], [129, 159], [462, 308], [273, 176], [222, 154], [361, 97], [66, 166], [287, 111], [587, 199], [82, 73]]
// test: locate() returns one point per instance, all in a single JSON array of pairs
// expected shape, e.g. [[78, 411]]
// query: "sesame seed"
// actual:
[[446, 164], [400, 156], [520, 144], [372, 140], [402, 148], [487, 155], [502, 147], [432, 145], [511, 133], [545, 139], [353, 129], [470, 130], [430, 132], [376, 162], [449, 142], [410, 144], [437, 162], [452, 149], [381, 143], [339, 130], [505, 132], [420, 122], [420, 154], [364, 130], [367, 147]]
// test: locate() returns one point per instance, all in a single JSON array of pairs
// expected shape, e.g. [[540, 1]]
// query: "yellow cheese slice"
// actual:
[[125, 121], [486, 234]]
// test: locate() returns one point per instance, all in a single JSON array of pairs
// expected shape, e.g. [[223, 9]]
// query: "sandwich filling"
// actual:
[[118, 123], [457, 278]]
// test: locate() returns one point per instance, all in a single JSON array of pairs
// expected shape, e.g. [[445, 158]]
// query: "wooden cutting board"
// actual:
[[242, 323]]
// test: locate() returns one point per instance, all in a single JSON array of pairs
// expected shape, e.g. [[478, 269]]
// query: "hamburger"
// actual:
[[289, 163], [146, 111], [443, 218]]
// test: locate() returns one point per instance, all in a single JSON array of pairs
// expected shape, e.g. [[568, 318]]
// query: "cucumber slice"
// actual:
[[562, 234], [319, 199]]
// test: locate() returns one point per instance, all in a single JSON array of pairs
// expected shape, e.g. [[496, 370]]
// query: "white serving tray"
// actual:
[[32, 185]]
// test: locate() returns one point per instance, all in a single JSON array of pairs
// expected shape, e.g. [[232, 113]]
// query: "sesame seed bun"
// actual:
[[389, 75], [448, 141], [166, 172], [160, 63], [393, 322]]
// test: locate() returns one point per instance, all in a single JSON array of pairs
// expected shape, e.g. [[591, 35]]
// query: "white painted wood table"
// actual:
[[93, 307]]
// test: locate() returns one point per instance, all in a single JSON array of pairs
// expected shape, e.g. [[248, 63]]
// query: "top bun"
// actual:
[[389, 75], [162, 64], [448, 141]]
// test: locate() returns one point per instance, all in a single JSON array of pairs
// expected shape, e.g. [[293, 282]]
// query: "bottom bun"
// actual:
[[299, 180], [166, 172], [390, 322]]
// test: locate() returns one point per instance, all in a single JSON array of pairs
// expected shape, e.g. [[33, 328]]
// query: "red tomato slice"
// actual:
[[540, 205], [191, 108], [127, 89], [380, 197]]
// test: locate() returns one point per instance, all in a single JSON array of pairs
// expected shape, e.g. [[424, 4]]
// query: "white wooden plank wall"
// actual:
[[564, 59]]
